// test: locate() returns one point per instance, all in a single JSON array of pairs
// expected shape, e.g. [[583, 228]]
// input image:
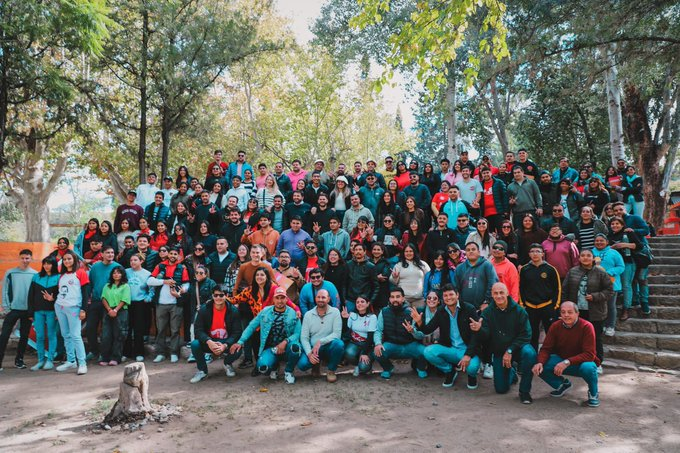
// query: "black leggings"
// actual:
[[546, 315], [139, 312]]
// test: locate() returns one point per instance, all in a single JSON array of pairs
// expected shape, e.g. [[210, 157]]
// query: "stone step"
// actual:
[[664, 269], [664, 288], [669, 279], [669, 360], [652, 341], [662, 260], [659, 252], [650, 325], [664, 240], [660, 313], [663, 300]]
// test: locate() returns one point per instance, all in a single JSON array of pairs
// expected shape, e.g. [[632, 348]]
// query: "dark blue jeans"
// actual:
[[503, 377], [198, 349], [586, 370], [352, 354], [331, 353], [269, 360], [413, 350]]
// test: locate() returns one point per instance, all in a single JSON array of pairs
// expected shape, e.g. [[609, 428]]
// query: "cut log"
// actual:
[[133, 398]]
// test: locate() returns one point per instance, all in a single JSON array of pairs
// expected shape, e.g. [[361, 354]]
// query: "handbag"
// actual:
[[643, 257]]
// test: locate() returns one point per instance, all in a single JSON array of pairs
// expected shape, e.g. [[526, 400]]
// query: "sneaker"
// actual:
[[198, 377], [331, 376], [593, 400], [646, 314], [472, 382], [174, 358], [67, 366], [450, 379], [600, 370], [113, 363], [82, 369], [609, 331], [159, 358], [19, 363], [229, 370], [245, 364], [48, 365], [103, 363], [38, 366], [90, 356], [123, 359], [289, 377], [355, 373], [525, 398], [139, 358], [562, 389], [191, 359], [254, 372], [421, 374], [386, 375], [488, 371], [273, 375]]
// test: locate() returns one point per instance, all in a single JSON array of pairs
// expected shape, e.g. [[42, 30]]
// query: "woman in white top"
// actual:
[[265, 196], [409, 274], [482, 238], [361, 324], [339, 198], [74, 288]]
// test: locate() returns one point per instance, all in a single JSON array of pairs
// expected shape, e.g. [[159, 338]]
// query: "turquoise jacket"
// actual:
[[264, 321], [612, 262]]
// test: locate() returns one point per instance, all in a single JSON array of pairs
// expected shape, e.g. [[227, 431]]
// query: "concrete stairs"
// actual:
[[653, 341]]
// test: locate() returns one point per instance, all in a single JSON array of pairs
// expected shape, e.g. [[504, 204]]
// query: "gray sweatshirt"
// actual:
[[315, 328]]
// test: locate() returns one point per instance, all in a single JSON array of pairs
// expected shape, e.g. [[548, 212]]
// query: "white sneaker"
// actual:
[[174, 358], [38, 366], [273, 375], [48, 365], [609, 331], [488, 372], [600, 370], [191, 359], [82, 369], [159, 358], [355, 373], [198, 377], [123, 359], [229, 370], [139, 358], [67, 366], [289, 377], [208, 357]]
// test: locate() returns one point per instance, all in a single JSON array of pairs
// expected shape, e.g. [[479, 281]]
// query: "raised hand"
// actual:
[[344, 313], [475, 326], [417, 317], [316, 227]]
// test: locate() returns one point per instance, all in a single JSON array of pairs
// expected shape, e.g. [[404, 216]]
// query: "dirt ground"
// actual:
[[56, 412]]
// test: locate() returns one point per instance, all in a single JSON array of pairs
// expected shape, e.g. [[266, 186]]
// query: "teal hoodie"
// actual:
[[474, 282]]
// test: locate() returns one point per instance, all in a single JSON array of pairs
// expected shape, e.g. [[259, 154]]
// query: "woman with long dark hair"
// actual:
[[139, 310], [115, 300], [387, 206], [412, 211], [439, 275], [336, 272], [413, 235], [41, 296], [383, 268], [482, 238], [160, 236], [507, 233], [74, 289], [430, 179], [402, 175], [107, 235], [409, 274], [182, 176], [361, 325], [528, 233], [180, 217], [84, 238], [181, 238], [204, 236], [62, 247]]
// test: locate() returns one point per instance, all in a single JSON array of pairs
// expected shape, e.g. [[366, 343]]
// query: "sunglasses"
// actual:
[[311, 247], [198, 249], [200, 273], [432, 298], [481, 223], [506, 227], [499, 248], [557, 210], [462, 220], [453, 251], [219, 295], [315, 277]]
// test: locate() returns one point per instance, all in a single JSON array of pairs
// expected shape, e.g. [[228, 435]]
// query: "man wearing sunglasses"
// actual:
[[217, 328], [310, 290]]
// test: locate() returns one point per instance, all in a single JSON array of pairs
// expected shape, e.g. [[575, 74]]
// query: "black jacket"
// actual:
[[442, 321], [233, 234], [204, 320]]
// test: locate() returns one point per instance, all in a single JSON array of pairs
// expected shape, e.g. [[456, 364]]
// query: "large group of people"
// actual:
[[457, 269]]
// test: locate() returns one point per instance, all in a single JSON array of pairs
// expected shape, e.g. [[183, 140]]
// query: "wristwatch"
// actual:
[[509, 351], [566, 362]]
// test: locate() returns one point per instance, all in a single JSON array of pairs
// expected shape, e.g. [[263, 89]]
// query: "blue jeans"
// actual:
[[611, 311], [503, 377], [627, 284], [331, 353], [635, 208], [352, 354], [71, 326], [198, 349], [413, 350], [447, 357], [641, 288], [42, 319], [269, 361], [586, 370]]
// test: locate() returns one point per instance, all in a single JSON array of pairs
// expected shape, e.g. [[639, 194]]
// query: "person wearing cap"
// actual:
[[146, 192], [239, 166], [505, 269], [564, 171], [370, 193], [466, 162], [129, 211], [216, 329], [241, 193], [371, 168], [324, 177], [560, 251], [314, 188], [569, 349], [540, 291], [530, 168], [279, 328], [168, 190], [320, 337], [356, 210]]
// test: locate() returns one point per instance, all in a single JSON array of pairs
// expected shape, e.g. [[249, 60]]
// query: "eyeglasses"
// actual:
[[453, 251], [432, 298], [387, 221], [557, 210], [389, 161], [198, 249], [310, 247], [462, 220], [508, 227], [481, 223]]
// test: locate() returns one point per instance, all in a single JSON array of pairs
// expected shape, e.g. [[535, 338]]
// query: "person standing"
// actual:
[[116, 300], [505, 269], [99, 277], [524, 196], [130, 211], [146, 192], [41, 296], [15, 289]]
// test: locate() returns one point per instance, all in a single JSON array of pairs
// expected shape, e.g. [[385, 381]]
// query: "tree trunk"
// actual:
[[590, 142], [451, 138], [165, 141], [614, 108], [500, 118], [4, 99], [133, 397], [143, 98], [251, 117], [649, 153]]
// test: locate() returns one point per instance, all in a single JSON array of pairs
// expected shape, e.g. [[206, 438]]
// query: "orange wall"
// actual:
[[9, 254]]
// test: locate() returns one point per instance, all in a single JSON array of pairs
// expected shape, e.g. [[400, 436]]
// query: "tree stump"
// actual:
[[133, 398]]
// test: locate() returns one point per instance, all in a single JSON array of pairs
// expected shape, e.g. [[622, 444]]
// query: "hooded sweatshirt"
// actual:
[[474, 282], [561, 253]]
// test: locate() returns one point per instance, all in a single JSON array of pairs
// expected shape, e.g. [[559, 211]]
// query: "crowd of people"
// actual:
[[456, 268]]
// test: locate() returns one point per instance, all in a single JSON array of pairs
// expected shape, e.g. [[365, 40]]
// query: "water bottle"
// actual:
[[625, 239]]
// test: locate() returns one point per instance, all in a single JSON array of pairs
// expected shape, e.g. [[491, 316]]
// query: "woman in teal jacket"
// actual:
[[613, 263]]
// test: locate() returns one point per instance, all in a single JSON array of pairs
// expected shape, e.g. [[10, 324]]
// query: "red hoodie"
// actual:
[[561, 253]]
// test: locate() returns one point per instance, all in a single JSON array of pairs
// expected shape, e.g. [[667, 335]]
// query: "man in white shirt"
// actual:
[[146, 192]]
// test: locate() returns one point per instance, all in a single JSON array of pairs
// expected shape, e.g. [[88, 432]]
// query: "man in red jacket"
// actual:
[[569, 348]]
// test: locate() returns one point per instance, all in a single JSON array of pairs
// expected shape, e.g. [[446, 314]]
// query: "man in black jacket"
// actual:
[[361, 278], [216, 335], [233, 229], [440, 237], [454, 349]]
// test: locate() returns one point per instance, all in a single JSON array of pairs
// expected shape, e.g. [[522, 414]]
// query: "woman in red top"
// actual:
[[402, 176], [440, 197], [413, 235], [160, 236]]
